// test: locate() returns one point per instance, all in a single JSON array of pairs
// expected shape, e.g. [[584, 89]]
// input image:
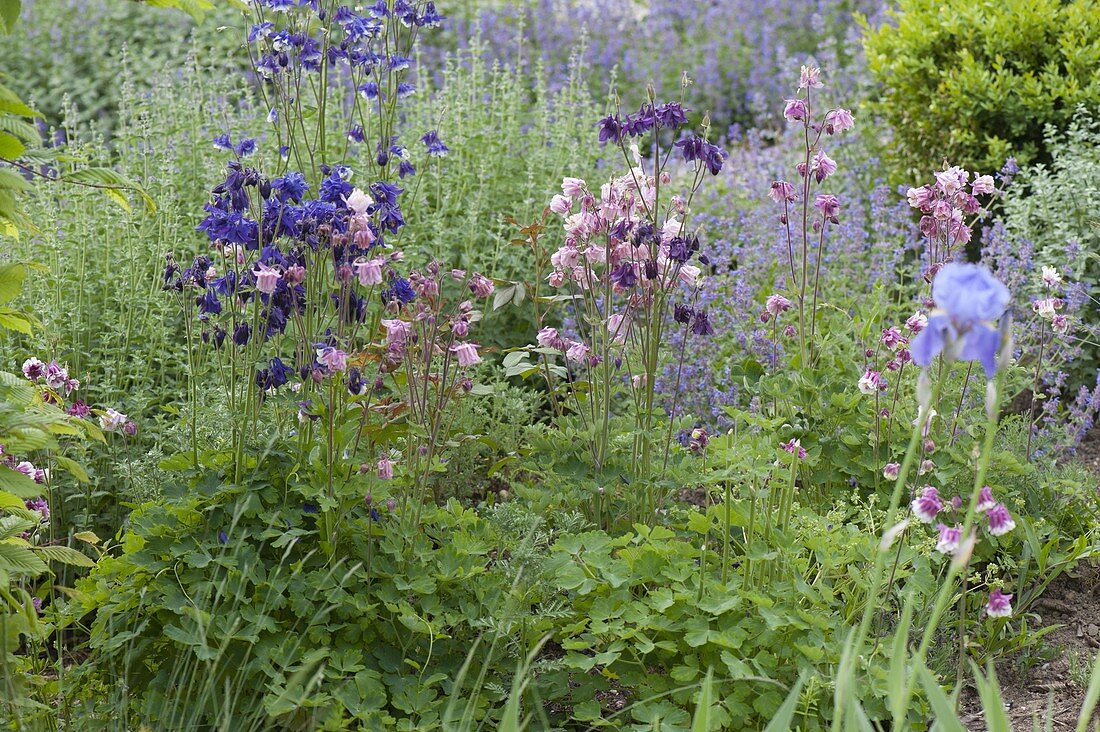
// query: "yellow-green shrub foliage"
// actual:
[[975, 81]]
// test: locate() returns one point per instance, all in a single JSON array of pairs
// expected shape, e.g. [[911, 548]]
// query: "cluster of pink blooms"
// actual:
[[897, 343], [55, 377], [947, 202], [1047, 307], [928, 505]]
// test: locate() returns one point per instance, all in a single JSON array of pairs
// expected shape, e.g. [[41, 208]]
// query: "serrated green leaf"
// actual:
[[18, 484], [20, 560], [74, 468], [65, 555]]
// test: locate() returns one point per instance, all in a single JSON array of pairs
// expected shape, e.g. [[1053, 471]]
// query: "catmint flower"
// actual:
[[481, 285], [969, 299], [781, 191], [949, 539], [332, 359], [794, 447], [466, 353], [1051, 277], [1000, 520], [927, 504], [112, 420], [999, 604], [890, 471], [385, 468], [34, 369], [795, 110]]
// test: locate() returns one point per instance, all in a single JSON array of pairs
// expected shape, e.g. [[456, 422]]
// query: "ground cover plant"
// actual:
[[587, 371]]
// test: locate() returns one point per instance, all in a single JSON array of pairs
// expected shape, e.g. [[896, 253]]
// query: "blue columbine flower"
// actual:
[[245, 147], [436, 148], [969, 302], [221, 142], [399, 290], [611, 128]]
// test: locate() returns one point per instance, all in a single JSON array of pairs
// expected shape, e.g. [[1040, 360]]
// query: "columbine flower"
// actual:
[[969, 299], [829, 207], [572, 187], [1051, 277], [985, 500], [369, 271], [982, 185], [466, 353], [436, 148], [112, 420], [927, 504], [577, 352], [893, 339], [549, 338], [56, 375], [950, 536], [1000, 521], [359, 202], [397, 331], [40, 506], [822, 166], [34, 369], [810, 78], [481, 285], [333, 359], [1060, 324], [794, 447], [999, 605], [561, 205], [871, 381], [926, 466], [781, 191], [916, 322], [1047, 307], [385, 468], [776, 304], [838, 120], [890, 471], [795, 109], [267, 278]]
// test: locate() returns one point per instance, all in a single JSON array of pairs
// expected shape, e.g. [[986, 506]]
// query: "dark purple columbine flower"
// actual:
[[701, 324], [436, 148], [624, 276], [611, 129], [223, 538], [969, 301], [696, 148], [356, 385], [241, 334], [671, 115], [399, 291], [683, 314]]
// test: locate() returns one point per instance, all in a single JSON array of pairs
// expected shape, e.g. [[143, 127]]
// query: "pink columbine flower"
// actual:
[[776, 304], [829, 206], [295, 274], [56, 375], [549, 338], [921, 198], [481, 285], [385, 468], [369, 271], [916, 322], [577, 352], [1060, 324], [560, 204], [822, 166], [950, 537], [333, 359], [890, 471], [926, 466], [795, 109], [794, 447], [267, 278], [781, 191], [26, 467], [893, 339], [1047, 307], [40, 506], [466, 353], [872, 381], [572, 187], [999, 605], [1000, 520], [839, 120], [112, 420], [927, 504], [982, 185], [809, 78], [1051, 277], [34, 369], [397, 330], [985, 500]]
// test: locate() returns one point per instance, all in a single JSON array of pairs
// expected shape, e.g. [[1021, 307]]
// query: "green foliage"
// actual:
[[975, 82]]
